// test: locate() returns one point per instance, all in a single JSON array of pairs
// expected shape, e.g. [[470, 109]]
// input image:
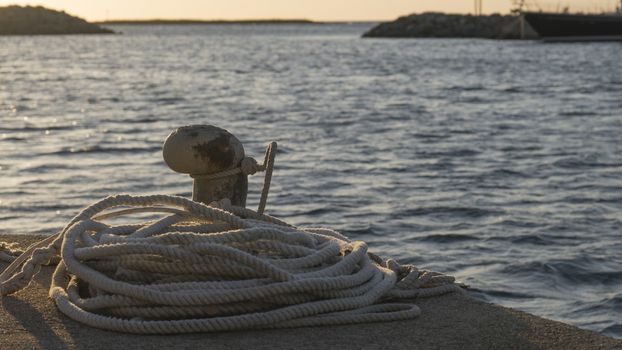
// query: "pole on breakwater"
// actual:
[[479, 7], [201, 150], [522, 26]]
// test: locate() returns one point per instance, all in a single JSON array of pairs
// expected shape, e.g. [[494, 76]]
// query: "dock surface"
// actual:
[[30, 320]]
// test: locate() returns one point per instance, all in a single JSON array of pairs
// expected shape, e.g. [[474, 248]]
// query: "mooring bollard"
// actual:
[[200, 150]]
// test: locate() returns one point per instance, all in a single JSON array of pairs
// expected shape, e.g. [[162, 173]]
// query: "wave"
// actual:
[[525, 239], [573, 272], [32, 128], [578, 114], [100, 149], [577, 163], [447, 238], [441, 211], [43, 208], [457, 153], [517, 223], [146, 120], [43, 168], [13, 139], [503, 173], [318, 211], [612, 303], [613, 331], [466, 88], [167, 100], [502, 293]]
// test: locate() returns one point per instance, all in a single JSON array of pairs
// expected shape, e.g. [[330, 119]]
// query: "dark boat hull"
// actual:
[[570, 27]]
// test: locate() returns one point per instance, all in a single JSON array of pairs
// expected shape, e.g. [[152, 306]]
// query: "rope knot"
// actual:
[[249, 166]]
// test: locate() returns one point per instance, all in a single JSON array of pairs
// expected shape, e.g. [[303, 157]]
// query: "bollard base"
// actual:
[[30, 320]]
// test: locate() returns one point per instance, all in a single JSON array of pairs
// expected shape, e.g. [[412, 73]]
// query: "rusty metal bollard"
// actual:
[[206, 149]]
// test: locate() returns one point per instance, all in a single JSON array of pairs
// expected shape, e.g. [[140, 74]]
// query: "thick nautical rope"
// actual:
[[9, 251], [213, 268], [220, 267]]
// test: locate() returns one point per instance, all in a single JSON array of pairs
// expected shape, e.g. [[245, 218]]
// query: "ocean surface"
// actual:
[[499, 162]]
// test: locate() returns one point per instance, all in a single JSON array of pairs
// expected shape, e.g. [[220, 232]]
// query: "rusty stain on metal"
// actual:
[[216, 152]]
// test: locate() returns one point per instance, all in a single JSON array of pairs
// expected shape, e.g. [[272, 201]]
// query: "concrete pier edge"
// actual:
[[30, 320]]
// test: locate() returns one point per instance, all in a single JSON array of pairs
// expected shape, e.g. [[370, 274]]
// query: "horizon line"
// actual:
[[249, 20], [277, 19]]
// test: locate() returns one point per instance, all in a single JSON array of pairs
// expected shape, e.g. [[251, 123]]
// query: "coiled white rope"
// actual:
[[201, 268]]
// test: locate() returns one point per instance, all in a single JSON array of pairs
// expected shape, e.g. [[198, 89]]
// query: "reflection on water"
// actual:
[[498, 162]]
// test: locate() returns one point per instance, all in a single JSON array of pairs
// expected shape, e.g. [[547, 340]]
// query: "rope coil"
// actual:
[[217, 267]]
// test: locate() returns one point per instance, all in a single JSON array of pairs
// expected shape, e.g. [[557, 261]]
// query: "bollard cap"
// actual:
[[202, 149]]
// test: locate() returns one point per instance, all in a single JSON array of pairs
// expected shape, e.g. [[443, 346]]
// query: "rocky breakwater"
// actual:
[[28, 20], [440, 25]]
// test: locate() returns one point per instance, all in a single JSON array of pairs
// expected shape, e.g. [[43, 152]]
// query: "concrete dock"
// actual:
[[29, 320]]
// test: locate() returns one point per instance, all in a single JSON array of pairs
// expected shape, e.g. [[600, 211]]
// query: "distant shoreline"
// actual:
[[195, 22], [30, 20], [444, 25], [219, 22]]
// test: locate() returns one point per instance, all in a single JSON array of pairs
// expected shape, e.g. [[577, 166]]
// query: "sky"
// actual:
[[320, 10]]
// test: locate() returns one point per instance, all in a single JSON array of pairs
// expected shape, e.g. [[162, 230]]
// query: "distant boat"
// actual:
[[576, 27]]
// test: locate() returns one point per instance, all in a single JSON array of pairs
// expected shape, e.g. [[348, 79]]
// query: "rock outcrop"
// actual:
[[28, 20], [440, 25]]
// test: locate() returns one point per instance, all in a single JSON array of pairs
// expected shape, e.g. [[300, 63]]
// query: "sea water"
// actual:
[[499, 162]]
